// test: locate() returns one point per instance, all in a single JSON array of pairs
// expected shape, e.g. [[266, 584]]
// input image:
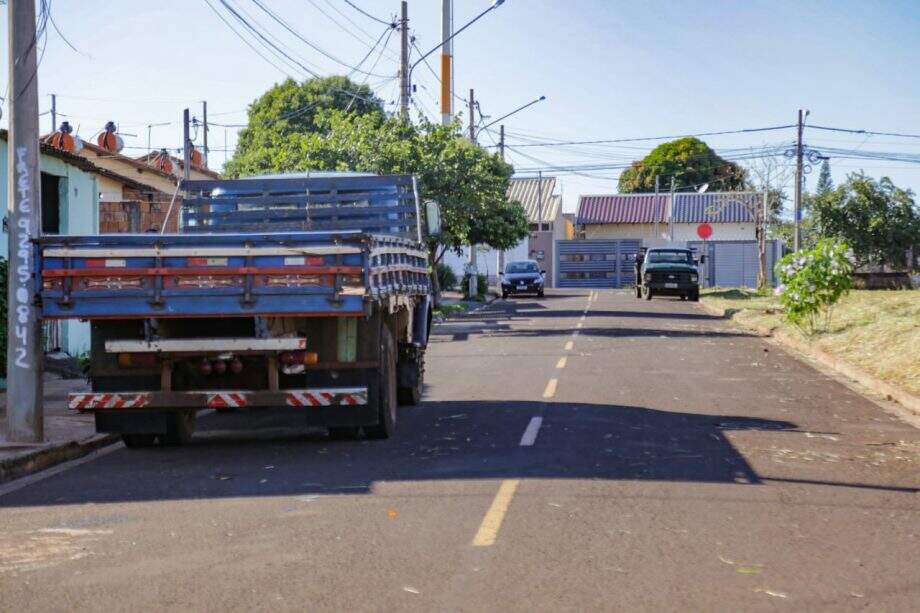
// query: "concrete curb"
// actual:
[[489, 300], [869, 381], [34, 460]]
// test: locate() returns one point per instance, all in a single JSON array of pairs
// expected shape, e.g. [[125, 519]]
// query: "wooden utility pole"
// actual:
[[25, 421], [404, 62], [472, 116], [762, 280], [53, 112]]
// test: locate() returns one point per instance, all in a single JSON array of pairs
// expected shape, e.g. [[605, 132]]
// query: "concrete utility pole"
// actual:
[[447, 58], [186, 147], [762, 240], [404, 62], [657, 209], [501, 140], [53, 112], [24, 417], [797, 237], [204, 116], [474, 281], [671, 212]]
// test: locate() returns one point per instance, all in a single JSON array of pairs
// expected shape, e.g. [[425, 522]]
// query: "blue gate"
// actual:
[[596, 263]]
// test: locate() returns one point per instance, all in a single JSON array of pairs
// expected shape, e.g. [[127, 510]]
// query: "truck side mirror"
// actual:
[[433, 218], [702, 259]]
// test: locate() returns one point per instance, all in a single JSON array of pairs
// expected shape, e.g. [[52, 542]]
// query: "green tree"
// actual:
[[825, 184], [689, 161], [469, 183], [879, 220], [291, 108]]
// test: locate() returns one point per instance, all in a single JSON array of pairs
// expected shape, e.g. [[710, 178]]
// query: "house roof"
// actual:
[[719, 207], [536, 196], [71, 158], [621, 208], [179, 163]]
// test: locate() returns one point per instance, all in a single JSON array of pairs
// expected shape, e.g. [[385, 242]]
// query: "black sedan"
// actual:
[[524, 277]]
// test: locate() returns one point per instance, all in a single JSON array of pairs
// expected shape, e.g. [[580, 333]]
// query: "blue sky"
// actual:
[[609, 69]]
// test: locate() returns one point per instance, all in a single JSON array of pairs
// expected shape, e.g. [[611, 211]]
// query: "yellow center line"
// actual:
[[579, 324], [492, 522], [550, 390], [561, 362], [569, 345]]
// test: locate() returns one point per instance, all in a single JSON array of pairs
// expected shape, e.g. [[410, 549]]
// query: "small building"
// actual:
[[610, 230], [69, 194], [543, 209]]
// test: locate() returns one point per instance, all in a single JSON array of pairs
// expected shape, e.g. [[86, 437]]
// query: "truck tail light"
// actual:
[[137, 360], [290, 358]]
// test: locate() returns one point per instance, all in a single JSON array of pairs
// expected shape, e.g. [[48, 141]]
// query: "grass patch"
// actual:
[[446, 310], [878, 331]]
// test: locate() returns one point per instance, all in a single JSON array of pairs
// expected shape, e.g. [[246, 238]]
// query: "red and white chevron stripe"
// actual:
[[325, 398], [106, 401], [226, 400]]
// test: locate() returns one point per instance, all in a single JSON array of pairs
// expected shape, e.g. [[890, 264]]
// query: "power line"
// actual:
[[363, 41], [368, 15], [284, 24], [245, 40], [869, 132], [669, 137]]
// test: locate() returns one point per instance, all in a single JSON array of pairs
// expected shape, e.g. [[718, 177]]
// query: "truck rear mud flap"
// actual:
[[127, 401]]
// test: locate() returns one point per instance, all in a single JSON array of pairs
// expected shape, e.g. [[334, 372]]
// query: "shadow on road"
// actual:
[[436, 441]]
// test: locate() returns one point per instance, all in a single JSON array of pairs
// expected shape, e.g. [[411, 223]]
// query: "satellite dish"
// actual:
[[703, 188]]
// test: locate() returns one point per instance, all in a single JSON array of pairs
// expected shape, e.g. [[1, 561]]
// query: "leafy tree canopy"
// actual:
[[689, 161], [878, 220], [469, 183], [291, 107]]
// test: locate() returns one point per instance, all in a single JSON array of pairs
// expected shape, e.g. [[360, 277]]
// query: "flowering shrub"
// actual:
[[812, 281]]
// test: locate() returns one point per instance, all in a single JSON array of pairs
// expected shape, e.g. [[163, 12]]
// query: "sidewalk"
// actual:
[[68, 435]]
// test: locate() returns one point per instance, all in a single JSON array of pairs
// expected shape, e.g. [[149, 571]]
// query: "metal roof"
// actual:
[[621, 208], [529, 191], [719, 207]]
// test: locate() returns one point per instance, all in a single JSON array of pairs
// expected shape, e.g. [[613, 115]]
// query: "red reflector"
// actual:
[[206, 261], [137, 360], [104, 263]]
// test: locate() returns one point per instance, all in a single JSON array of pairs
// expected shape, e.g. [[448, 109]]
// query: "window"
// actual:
[[519, 267]]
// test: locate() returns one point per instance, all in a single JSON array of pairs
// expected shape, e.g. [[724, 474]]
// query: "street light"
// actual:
[[495, 4], [506, 116]]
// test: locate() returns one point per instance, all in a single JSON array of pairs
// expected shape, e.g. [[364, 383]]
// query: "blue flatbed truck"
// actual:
[[307, 292]]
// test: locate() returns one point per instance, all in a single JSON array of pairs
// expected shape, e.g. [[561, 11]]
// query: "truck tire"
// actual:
[[179, 428], [138, 441], [386, 400], [412, 395], [695, 295]]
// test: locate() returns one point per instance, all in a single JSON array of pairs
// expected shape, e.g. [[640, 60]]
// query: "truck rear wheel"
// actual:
[[386, 389], [180, 426]]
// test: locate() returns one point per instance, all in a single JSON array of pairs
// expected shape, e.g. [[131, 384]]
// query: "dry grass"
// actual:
[[878, 331]]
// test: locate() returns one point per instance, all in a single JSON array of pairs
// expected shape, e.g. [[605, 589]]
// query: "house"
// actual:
[[730, 216], [610, 230], [543, 209], [69, 196]]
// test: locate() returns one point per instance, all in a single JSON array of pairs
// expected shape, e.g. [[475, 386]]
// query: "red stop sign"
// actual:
[[704, 231]]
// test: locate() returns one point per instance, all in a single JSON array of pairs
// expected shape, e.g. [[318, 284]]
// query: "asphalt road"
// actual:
[[572, 453]]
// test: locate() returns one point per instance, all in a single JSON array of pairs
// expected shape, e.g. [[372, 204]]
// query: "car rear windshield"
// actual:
[[516, 267], [670, 257]]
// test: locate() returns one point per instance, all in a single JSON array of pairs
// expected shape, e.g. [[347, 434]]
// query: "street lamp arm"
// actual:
[[449, 38], [507, 115]]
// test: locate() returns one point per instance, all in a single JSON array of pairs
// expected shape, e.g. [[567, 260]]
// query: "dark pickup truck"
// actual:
[[668, 272]]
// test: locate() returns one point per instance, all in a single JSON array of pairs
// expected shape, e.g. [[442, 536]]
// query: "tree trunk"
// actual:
[[435, 283]]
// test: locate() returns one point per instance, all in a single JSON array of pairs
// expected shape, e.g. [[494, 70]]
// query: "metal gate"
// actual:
[[596, 263], [734, 263]]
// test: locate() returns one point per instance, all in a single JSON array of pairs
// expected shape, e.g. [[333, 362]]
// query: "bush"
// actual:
[[447, 278], [482, 286], [812, 281]]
